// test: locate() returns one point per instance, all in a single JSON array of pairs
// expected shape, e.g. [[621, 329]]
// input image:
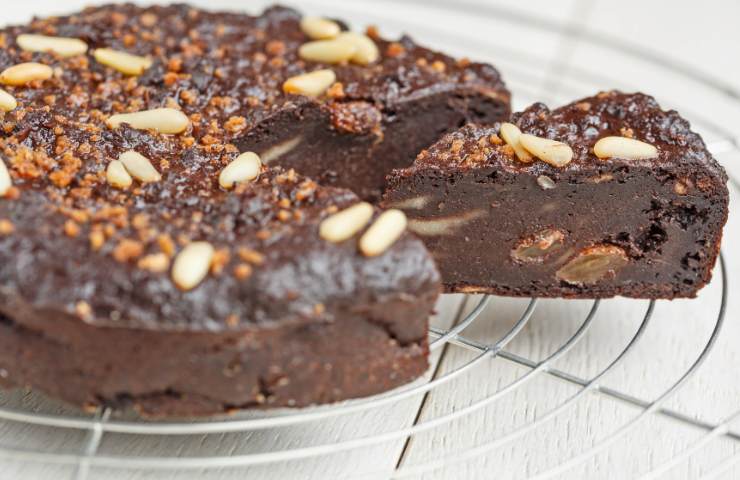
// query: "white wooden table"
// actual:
[[553, 51]]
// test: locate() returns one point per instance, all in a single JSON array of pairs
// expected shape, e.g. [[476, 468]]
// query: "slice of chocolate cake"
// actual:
[[369, 104], [145, 261], [607, 196]]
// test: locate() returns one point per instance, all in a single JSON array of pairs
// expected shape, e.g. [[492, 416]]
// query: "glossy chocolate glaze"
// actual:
[[665, 214]]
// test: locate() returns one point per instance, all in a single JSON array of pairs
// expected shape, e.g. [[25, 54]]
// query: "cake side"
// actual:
[[588, 228], [285, 319], [186, 373]]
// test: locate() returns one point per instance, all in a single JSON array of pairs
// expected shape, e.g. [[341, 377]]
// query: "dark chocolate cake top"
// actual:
[[664, 139], [223, 67], [83, 234]]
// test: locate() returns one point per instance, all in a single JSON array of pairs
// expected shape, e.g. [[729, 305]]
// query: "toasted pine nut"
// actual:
[[511, 133], [557, 154], [66, 47], [25, 73], [117, 175], [5, 181], [383, 233], [243, 168], [139, 167], [192, 265], [163, 120], [626, 148], [318, 28], [125, 63], [327, 51], [7, 101], [310, 84], [345, 224], [367, 51]]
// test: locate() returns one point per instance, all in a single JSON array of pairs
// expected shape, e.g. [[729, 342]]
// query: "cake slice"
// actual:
[[609, 195]]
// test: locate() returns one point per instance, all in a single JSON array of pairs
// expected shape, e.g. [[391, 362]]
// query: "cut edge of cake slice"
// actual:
[[607, 196]]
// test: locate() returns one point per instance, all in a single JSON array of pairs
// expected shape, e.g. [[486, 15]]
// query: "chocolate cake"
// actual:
[[609, 195], [146, 261]]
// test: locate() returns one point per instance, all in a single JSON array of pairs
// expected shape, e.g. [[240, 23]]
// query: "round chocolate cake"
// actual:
[[148, 259]]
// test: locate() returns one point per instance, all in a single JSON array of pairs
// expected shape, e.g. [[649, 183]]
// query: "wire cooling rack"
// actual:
[[71, 444]]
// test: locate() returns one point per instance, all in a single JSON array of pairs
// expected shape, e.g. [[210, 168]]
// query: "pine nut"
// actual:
[[192, 265], [444, 225], [7, 101], [345, 224], [626, 148], [244, 168], [383, 233], [327, 51], [412, 203], [66, 47], [125, 63], [367, 52], [280, 149], [511, 133], [318, 28], [5, 181], [24, 73], [545, 182], [117, 175], [549, 151], [139, 167], [163, 120], [310, 84]]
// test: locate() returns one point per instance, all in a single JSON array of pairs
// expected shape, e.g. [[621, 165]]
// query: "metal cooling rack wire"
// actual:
[[442, 339], [295, 454], [541, 367], [722, 468], [99, 425], [574, 30], [489, 351], [147, 428], [721, 429], [95, 436], [589, 386], [473, 41], [655, 405]]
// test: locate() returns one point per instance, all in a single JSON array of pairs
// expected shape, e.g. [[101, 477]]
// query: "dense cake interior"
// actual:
[[591, 228]]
